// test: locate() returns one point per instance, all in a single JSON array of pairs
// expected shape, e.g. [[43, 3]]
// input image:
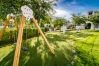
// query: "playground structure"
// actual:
[[27, 13]]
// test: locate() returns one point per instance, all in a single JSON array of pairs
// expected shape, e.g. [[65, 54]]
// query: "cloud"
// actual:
[[62, 13], [74, 6], [54, 1]]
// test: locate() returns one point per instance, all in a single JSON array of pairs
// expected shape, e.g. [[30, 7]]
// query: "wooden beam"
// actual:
[[4, 28], [43, 36], [19, 41]]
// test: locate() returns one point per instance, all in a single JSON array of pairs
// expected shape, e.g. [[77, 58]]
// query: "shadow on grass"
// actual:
[[54, 38], [39, 55], [8, 60], [4, 43]]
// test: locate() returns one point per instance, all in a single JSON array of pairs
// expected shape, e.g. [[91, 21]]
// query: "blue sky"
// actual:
[[78, 5], [75, 6]]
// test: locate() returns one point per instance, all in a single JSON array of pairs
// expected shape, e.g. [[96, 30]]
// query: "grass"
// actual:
[[71, 49]]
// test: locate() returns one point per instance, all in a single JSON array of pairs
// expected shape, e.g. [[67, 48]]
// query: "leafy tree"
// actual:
[[58, 22], [94, 18], [78, 19], [39, 7], [46, 20], [10, 6]]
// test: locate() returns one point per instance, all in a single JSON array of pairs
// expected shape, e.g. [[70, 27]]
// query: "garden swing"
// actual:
[[10, 20], [5, 25], [13, 33], [28, 14]]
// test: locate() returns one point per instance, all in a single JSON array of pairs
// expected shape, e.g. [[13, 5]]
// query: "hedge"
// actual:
[[11, 36]]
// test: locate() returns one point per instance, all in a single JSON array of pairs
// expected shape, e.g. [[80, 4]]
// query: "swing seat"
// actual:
[[24, 49]]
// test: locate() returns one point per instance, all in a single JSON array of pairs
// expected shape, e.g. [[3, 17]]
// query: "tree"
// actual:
[[39, 7], [58, 22], [94, 18], [46, 20], [78, 19]]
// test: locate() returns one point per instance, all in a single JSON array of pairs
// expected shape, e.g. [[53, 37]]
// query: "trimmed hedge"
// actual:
[[11, 36]]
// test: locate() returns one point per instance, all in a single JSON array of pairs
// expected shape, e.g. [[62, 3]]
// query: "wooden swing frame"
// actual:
[[4, 28], [19, 39]]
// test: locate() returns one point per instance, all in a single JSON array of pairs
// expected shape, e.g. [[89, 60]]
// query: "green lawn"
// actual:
[[71, 49]]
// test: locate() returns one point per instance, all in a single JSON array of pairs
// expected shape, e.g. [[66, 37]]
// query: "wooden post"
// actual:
[[5, 25], [43, 36], [19, 41]]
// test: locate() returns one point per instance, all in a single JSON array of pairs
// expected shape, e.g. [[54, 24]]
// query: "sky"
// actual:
[[65, 8]]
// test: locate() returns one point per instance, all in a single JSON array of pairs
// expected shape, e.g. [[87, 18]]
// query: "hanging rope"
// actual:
[[24, 48]]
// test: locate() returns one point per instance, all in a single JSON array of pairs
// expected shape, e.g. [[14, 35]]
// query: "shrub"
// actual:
[[11, 36]]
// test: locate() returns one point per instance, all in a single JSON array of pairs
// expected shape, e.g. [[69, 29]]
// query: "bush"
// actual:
[[11, 36]]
